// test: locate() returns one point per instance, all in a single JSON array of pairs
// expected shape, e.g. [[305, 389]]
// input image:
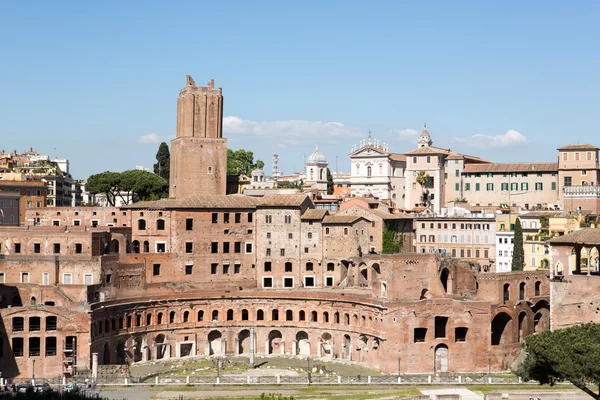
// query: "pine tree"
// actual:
[[163, 166], [518, 260]]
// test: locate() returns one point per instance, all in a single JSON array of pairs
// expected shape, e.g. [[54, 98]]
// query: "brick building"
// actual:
[[204, 274]]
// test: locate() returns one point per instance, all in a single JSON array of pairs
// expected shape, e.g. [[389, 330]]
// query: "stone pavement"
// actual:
[[464, 393]]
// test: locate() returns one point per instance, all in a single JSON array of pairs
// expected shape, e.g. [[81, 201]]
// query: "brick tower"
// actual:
[[199, 152]]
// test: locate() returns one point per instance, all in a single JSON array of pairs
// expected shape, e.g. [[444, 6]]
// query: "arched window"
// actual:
[[268, 218], [159, 318], [160, 225], [326, 317], [288, 219], [138, 320], [321, 174], [336, 318], [289, 315], [302, 315], [453, 239], [141, 224], [172, 317], [522, 291], [275, 315], [229, 315], [148, 319], [135, 246], [345, 231], [431, 238], [260, 315], [312, 174], [33, 301], [538, 286], [244, 315], [327, 231], [146, 246], [313, 316], [200, 315], [186, 316], [215, 315], [533, 225], [506, 292], [369, 171], [347, 318], [524, 224], [310, 235]]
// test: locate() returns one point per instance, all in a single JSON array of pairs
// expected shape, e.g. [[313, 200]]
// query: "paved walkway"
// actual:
[[465, 394]]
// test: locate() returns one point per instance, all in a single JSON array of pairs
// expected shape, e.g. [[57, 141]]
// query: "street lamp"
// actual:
[[308, 369]]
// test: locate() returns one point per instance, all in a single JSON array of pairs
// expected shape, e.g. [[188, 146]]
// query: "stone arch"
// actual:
[[501, 329], [521, 333], [363, 348], [33, 301], [336, 317], [326, 345], [243, 342], [302, 315], [425, 294], [215, 315], [162, 347], [200, 315], [441, 358], [541, 318], [302, 343], [106, 354], [559, 269], [121, 355], [346, 348], [446, 280], [114, 246], [135, 246], [215, 343], [260, 315], [275, 344]]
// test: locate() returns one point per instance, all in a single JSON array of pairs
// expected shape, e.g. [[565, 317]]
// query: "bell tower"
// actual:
[[199, 152]]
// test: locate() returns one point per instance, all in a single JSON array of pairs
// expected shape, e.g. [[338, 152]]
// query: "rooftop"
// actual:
[[578, 147], [589, 236], [198, 201], [510, 167]]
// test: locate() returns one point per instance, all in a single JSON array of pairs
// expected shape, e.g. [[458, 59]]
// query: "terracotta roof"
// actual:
[[314, 214], [537, 214], [429, 150], [397, 157], [578, 147], [510, 167], [199, 201], [341, 219], [389, 216], [282, 200], [582, 236]]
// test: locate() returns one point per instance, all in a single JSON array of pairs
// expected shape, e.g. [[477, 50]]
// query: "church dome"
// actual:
[[316, 157]]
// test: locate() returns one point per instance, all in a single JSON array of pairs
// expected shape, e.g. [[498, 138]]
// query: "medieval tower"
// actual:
[[199, 152]]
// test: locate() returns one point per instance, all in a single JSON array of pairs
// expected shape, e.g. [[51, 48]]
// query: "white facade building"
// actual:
[[316, 171], [504, 250]]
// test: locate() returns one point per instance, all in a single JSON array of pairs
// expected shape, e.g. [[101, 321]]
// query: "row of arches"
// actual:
[[188, 316], [507, 328], [361, 348]]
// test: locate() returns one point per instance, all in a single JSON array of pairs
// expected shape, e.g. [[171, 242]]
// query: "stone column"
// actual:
[[94, 367], [252, 346], [282, 346], [319, 345], [294, 347]]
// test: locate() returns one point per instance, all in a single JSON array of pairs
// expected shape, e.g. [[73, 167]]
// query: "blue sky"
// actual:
[[97, 82]]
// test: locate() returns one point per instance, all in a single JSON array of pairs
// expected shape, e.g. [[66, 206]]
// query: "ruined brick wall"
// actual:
[[78, 216]]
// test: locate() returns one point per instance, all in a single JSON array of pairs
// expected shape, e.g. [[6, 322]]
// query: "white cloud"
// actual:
[[291, 132], [149, 138], [509, 139], [410, 135]]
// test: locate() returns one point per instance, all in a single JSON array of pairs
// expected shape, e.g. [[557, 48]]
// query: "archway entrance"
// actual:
[[215, 343], [244, 342], [161, 347], [441, 358], [275, 343], [106, 356], [303, 343]]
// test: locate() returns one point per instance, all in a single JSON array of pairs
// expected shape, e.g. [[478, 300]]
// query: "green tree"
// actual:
[[518, 259], [390, 244], [422, 179], [329, 182], [163, 164], [130, 186], [106, 183], [241, 162], [572, 354]]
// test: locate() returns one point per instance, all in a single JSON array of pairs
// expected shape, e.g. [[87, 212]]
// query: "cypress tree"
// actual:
[[518, 259], [329, 182], [163, 156]]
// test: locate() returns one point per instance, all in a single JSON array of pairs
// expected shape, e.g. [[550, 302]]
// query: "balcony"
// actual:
[[582, 191]]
